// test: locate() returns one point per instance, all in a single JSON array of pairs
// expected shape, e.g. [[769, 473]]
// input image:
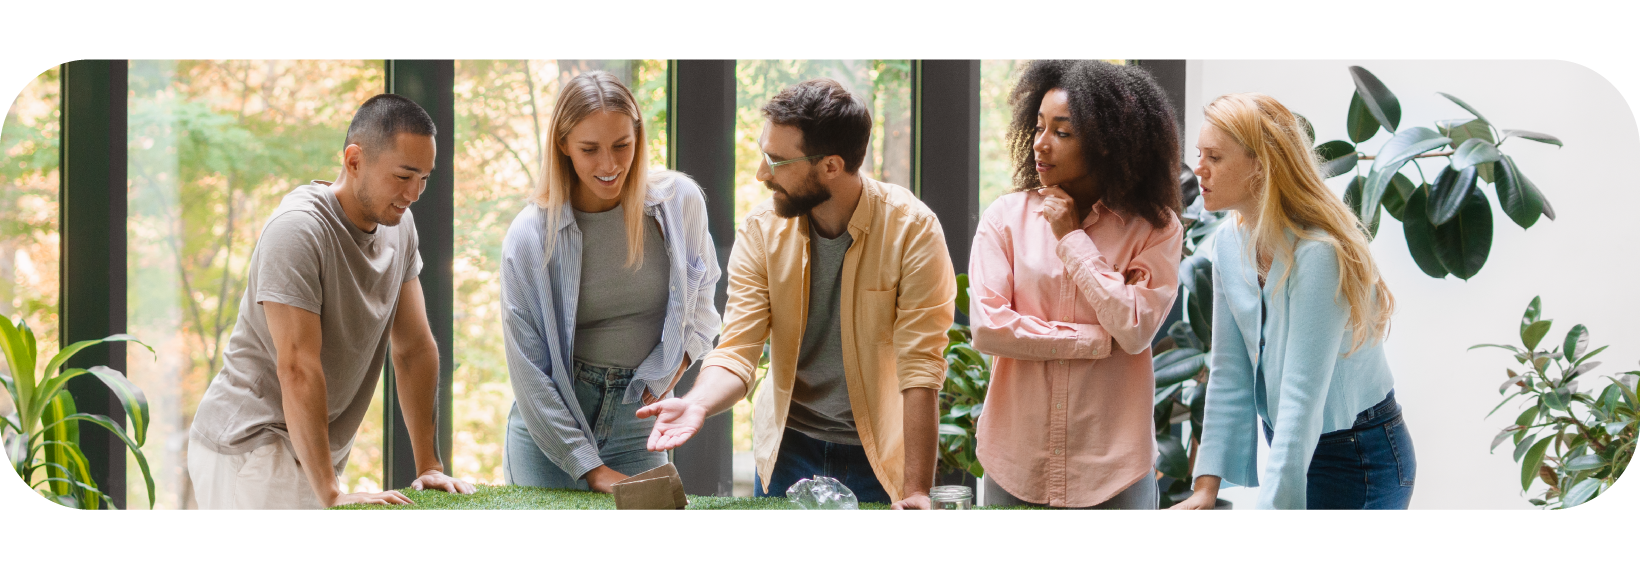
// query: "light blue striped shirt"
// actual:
[[538, 299]]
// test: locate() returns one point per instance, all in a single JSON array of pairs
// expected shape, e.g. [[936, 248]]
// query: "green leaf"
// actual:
[[1201, 321], [1379, 100], [1510, 348], [1525, 445], [1463, 243], [1337, 157], [1534, 333], [1361, 124], [1533, 136], [1352, 198], [947, 429], [962, 293], [1557, 399], [1585, 462], [1577, 341], [1474, 152], [1526, 417], [136, 449], [1183, 336], [1533, 310], [1402, 148], [1614, 428], [1171, 459], [1582, 358], [1518, 196], [1461, 130], [1534, 459], [1580, 493], [1196, 276], [1451, 188], [62, 356], [1420, 235], [1395, 198], [14, 345], [1176, 365], [1504, 435], [1465, 106]]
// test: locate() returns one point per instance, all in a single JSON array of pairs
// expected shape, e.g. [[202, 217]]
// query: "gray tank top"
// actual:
[[619, 311]]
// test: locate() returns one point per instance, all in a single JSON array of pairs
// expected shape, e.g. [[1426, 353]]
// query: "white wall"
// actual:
[[1582, 263]]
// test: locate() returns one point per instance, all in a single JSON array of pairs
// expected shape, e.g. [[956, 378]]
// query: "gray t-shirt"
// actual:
[[820, 405], [311, 257], [619, 312]]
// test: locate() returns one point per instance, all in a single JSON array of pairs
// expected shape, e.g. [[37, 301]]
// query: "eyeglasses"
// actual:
[[772, 163]]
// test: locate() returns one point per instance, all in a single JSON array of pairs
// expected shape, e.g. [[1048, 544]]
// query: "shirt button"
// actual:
[[1059, 406], [1058, 450], [1053, 351]]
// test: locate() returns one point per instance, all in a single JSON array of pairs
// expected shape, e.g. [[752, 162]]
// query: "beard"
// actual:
[[790, 204], [374, 211]]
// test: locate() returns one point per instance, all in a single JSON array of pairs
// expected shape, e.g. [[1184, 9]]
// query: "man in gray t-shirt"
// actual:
[[332, 280]]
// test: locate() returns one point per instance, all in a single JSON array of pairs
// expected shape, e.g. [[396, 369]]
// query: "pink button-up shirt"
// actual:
[[1068, 421]]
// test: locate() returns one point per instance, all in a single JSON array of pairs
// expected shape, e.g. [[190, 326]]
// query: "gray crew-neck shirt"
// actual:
[[311, 257], [820, 405], [619, 310]]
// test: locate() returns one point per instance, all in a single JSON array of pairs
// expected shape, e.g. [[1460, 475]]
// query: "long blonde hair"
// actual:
[[1292, 198], [588, 93]]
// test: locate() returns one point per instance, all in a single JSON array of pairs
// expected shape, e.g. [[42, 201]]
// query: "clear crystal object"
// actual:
[[822, 493]]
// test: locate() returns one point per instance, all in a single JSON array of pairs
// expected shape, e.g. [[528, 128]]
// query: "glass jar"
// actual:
[[951, 498]]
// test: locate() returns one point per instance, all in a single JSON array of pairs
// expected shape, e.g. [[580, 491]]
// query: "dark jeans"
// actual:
[[803, 457], [1369, 466]]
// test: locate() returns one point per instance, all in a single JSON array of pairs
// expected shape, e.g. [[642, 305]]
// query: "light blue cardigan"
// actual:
[[538, 301], [1310, 388]]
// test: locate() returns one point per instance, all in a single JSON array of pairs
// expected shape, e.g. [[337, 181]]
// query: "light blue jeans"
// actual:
[[622, 437]]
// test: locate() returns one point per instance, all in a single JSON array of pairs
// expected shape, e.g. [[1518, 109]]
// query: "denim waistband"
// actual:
[[1383, 412], [1378, 414], [599, 375]]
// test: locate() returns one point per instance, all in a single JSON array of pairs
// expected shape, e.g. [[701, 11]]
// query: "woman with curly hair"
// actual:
[[1299, 315], [1072, 274]]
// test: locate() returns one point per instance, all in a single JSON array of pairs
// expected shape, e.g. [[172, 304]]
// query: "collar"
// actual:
[[871, 196], [1099, 210]]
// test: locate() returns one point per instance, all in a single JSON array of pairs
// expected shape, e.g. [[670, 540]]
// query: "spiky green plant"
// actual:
[[42, 436]]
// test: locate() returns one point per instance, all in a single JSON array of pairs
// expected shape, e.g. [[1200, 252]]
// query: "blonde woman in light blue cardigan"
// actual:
[[1300, 312]]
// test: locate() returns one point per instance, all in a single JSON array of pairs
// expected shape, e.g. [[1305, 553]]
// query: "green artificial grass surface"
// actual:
[[528, 498]]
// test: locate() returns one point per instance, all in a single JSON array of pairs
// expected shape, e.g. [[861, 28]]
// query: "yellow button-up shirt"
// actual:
[[898, 294]]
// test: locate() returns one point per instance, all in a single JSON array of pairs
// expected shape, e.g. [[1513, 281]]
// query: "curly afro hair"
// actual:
[[1130, 140]]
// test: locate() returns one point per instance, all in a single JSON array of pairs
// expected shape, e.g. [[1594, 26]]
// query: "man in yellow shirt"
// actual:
[[849, 281]]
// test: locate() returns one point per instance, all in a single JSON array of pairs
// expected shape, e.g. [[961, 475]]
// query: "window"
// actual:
[[503, 109], [29, 141], [213, 148]]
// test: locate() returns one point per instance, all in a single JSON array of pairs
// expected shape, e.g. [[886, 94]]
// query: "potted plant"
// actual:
[[1575, 441], [42, 436], [967, 379]]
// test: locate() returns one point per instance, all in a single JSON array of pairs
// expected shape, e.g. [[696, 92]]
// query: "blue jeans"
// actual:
[[803, 457], [622, 437], [1369, 466]]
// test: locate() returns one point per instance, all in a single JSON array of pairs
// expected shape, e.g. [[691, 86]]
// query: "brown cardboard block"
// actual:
[[658, 488]]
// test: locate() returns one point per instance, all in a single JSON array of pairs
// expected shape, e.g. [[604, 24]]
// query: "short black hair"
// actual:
[[380, 119], [1130, 141], [832, 120]]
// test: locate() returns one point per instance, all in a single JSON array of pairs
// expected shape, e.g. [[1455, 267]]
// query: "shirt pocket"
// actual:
[[875, 313]]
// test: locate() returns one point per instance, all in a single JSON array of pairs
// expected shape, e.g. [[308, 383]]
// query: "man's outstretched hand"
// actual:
[[436, 480], [676, 420]]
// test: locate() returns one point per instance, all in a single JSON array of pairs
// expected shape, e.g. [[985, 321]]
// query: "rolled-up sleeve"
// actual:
[[703, 316], [529, 366], [924, 306], [1001, 330], [746, 315], [1132, 303]]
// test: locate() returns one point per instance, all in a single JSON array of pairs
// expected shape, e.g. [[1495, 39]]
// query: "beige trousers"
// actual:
[[267, 478]]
